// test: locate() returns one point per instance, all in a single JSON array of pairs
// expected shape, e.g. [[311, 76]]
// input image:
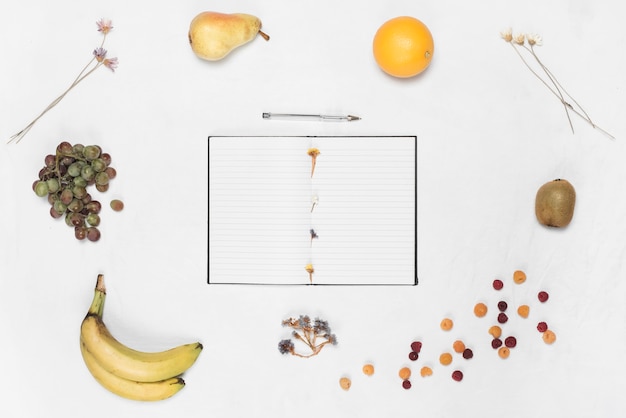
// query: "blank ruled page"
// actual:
[[261, 213]]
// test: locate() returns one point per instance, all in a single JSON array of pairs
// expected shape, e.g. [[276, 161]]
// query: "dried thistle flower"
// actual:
[[313, 236], [313, 152], [314, 334], [98, 59], [521, 48]]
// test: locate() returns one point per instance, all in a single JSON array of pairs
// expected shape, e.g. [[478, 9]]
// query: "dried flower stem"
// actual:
[[554, 86], [99, 55]]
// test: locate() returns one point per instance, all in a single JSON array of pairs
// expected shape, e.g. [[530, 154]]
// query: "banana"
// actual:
[[139, 391], [123, 361]]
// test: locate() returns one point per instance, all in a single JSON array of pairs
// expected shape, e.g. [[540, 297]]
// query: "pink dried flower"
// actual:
[[111, 63], [99, 54], [104, 25]]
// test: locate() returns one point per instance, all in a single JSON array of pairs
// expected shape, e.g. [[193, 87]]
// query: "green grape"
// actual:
[[93, 207], [59, 206], [102, 179], [91, 152], [88, 173], [75, 219], [79, 192], [117, 205], [74, 169], [53, 185], [98, 165], [102, 187], [54, 213], [78, 149], [41, 188], [93, 219], [79, 181]]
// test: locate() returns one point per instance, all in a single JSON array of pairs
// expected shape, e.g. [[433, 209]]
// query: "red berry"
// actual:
[[542, 326], [413, 356], [406, 384], [510, 342], [543, 296], [457, 375], [468, 353], [498, 284], [496, 343], [416, 346], [502, 305], [502, 318]]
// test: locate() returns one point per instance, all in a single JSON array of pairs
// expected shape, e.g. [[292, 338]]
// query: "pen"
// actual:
[[296, 116]]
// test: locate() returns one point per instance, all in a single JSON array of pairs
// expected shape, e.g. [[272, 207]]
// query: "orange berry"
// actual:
[[549, 336], [480, 309], [495, 331], [368, 369], [426, 371], [403, 47], [404, 373], [504, 352], [446, 324], [445, 359], [458, 346], [345, 383], [519, 276], [523, 311]]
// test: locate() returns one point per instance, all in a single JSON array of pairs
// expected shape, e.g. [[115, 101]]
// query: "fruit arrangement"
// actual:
[[65, 180], [127, 372]]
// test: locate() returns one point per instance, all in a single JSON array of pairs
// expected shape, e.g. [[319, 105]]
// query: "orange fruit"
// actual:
[[495, 331], [368, 369], [403, 47], [345, 383], [504, 352], [426, 371], [549, 337]]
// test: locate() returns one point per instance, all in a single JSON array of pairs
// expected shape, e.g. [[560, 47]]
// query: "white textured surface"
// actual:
[[489, 135]]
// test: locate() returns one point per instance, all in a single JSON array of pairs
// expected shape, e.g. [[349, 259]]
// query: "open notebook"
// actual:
[[274, 219]]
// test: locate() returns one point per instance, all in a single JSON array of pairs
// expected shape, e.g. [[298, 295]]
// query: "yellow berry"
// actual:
[[523, 311], [445, 359], [426, 371], [446, 324], [549, 336], [345, 383], [504, 352], [495, 331], [404, 373], [368, 369], [458, 346], [480, 309], [519, 277]]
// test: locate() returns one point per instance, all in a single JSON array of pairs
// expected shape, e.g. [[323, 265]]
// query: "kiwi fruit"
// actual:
[[554, 204]]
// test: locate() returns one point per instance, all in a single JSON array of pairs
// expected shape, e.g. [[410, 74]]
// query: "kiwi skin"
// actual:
[[554, 204]]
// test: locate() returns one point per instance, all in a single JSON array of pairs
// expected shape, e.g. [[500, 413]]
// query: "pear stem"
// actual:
[[264, 35]]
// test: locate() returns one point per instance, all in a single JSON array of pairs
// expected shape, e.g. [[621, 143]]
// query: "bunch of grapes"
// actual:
[[64, 180]]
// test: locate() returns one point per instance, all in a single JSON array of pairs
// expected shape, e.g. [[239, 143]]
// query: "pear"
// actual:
[[214, 35], [554, 204]]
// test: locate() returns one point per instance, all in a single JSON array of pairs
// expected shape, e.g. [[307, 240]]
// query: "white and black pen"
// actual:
[[306, 117]]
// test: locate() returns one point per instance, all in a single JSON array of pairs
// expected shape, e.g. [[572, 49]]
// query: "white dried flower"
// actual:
[[534, 39], [519, 39], [507, 35]]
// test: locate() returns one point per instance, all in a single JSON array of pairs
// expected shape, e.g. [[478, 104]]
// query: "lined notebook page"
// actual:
[[260, 199]]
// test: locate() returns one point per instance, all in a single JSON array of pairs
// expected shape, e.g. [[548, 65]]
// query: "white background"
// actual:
[[489, 136]]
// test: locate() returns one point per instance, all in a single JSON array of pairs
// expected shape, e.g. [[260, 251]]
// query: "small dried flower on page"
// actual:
[[507, 35], [313, 152], [534, 39]]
